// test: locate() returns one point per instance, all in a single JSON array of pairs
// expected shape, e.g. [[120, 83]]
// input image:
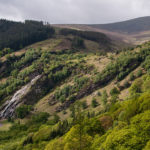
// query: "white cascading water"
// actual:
[[10, 106]]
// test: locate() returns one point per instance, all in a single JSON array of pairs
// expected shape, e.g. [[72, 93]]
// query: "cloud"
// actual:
[[74, 11]]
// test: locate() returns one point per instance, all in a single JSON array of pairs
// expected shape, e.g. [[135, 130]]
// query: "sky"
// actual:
[[74, 11]]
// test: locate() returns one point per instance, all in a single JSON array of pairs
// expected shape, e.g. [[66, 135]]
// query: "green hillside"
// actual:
[[76, 90]]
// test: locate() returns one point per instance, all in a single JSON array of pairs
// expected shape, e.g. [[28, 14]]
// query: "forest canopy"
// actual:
[[16, 35]]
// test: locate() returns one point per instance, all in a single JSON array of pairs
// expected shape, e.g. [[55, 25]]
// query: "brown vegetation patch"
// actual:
[[106, 122]]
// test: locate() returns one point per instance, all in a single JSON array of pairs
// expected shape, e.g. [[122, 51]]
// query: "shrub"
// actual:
[[114, 91], [104, 97], [98, 93], [41, 117], [132, 77], [14, 73], [106, 122], [23, 111], [44, 134], [56, 118], [73, 141], [94, 103], [114, 98], [62, 94], [139, 73], [56, 144], [136, 87], [84, 105], [80, 82], [121, 116], [131, 109], [126, 84], [122, 139], [144, 101], [93, 126], [146, 63], [147, 147]]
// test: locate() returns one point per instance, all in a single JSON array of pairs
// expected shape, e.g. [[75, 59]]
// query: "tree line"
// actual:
[[16, 35]]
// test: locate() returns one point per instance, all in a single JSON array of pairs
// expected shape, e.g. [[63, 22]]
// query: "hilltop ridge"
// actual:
[[134, 31], [130, 26]]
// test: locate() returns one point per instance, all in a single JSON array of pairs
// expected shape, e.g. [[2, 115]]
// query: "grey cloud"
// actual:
[[74, 11]]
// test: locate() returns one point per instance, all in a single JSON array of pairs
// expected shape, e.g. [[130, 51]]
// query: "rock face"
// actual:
[[9, 107]]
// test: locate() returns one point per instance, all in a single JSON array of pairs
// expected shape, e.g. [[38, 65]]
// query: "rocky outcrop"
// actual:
[[38, 90]]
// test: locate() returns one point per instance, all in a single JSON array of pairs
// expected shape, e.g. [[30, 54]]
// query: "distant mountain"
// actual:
[[130, 26], [134, 31]]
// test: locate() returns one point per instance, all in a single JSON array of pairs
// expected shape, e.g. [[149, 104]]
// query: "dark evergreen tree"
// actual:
[[17, 35]]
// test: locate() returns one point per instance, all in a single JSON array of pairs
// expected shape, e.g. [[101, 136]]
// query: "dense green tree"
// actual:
[[104, 97], [84, 105], [17, 35], [136, 87], [56, 118], [23, 111], [114, 91], [139, 73], [41, 117], [132, 76], [94, 103]]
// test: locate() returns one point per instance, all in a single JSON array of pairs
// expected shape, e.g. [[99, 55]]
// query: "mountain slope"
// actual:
[[129, 27], [75, 91], [20, 67], [83, 92], [132, 32]]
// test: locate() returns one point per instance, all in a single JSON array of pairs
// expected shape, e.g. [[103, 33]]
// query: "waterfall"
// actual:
[[10, 106]]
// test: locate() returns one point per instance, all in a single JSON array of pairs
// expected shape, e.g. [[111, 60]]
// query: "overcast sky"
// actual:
[[74, 11]]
